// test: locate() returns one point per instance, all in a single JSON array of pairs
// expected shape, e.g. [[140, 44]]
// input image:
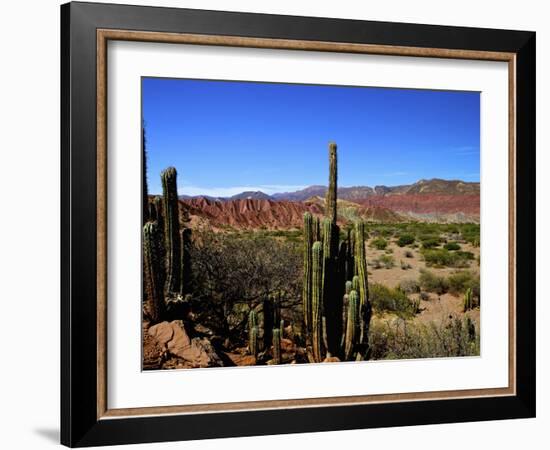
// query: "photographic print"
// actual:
[[293, 223]]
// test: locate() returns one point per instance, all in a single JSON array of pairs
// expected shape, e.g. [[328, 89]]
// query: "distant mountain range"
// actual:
[[358, 193], [433, 200]]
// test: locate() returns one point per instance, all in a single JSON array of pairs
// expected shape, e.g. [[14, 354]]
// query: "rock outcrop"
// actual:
[[174, 340]]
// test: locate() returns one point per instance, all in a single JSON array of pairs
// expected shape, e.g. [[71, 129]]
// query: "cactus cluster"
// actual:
[[166, 250], [336, 304], [270, 327]]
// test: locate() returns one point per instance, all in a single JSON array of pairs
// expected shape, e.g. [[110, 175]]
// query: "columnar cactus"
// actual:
[[306, 292], [361, 262], [185, 265], [362, 284], [337, 270], [157, 201], [350, 259], [153, 272], [316, 229], [331, 212], [352, 326], [253, 341], [171, 230], [252, 319], [468, 300], [332, 308], [316, 301], [355, 283], [276, 346]]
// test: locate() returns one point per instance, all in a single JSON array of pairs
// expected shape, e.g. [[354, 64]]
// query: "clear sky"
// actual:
[[226, 137]]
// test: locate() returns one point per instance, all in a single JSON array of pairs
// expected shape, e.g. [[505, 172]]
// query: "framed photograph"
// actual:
[[277, 224]]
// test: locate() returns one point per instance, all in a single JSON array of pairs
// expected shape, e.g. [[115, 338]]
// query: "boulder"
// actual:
[[173, 338]]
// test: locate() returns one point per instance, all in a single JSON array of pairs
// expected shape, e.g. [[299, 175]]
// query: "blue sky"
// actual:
[[226, 137]]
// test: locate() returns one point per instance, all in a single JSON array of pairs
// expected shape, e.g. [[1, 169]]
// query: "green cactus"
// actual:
[[352, 326], [185, 265], [332, 286], [276, 345], [171, 229], [331, 197], [252, 319], [350, 259], [468, 300], [306, 292], [253, 341], [316, 301], [365, 308], [157, 202], [326, 291], [282, 328], [355, 283], [361, 263], [153, 272], [345, 308], [316, 227]]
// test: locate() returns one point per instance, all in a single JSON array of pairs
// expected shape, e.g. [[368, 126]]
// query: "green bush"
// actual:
[[430, 243], [465, 255], [385, 299], [460, 281], [409, 286], [402, 339], [379, 243], [430, 282], [440, 257], [451, 246], [405, 239]]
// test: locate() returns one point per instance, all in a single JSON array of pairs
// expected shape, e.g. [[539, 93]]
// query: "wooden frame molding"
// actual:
[[103, 36]]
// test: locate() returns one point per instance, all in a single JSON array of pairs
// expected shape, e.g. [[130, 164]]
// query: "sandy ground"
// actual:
[[437, 307]]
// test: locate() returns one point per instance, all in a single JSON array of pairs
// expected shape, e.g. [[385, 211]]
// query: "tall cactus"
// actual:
[[331, 296], [355, 283], [253, 341], [361, 262], [316, 229], [276, 346], [306, 292], [316, 301], [153, 272], [185, 265], [350, 257], [171, 230], [352, 326], [331, 212], [365, 309], [337, 270]]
